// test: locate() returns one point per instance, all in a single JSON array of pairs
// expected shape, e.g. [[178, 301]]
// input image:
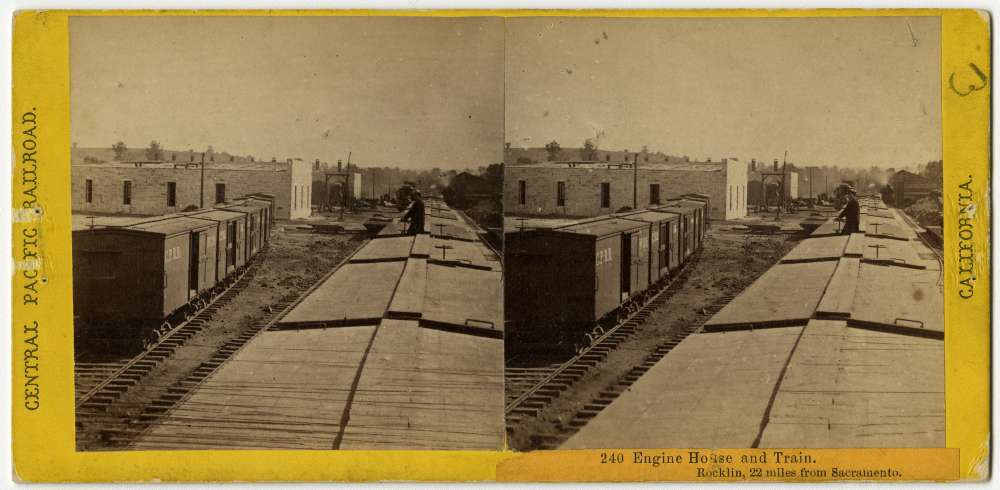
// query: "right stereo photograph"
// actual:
[[723, 233]]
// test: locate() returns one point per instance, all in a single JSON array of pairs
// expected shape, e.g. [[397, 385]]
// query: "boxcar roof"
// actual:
[[681, 206], [170, 226], [215, 214], [602, 227], [246, 208], [85, 222], [650, 216]]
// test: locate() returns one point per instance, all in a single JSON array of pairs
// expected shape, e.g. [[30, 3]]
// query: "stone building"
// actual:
[[152, 188], [575, 189]]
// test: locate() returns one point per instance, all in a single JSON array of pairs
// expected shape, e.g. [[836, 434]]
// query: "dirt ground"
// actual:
[[294, 261], [730, 261]]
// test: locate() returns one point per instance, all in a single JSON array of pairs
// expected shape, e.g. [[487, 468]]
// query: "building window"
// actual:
[[522, 187], [560, 193], [605, 194], [127, 192], [88, 191], [654, 193], [730, 198], [173, 157], [171, 194], [220, 193]]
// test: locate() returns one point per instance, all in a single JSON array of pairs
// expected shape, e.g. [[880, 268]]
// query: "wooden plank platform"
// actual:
[[712, 391], [394, 248], [355, 294], [408, 300], [286, 389], [428, 389], [820, 248], [785, 293], [465, 299], [847, 387]]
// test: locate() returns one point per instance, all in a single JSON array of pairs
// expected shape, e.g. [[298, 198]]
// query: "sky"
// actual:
[[852, 92], [406, 92]]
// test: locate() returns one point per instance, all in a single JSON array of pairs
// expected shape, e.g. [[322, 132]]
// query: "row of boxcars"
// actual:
[[565, 282], [135, 278]]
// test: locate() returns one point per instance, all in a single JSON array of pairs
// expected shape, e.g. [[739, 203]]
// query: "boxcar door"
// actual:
[[640, 259], [654, 252], [204, 269], [253, 234], [230, 246], [664, 248], [194, 259], [626, 265]]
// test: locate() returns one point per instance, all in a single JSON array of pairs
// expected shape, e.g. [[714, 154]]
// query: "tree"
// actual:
[[553, 149], [154, 152], [589, 151], [933, 171], [120, 150], [494, 176]]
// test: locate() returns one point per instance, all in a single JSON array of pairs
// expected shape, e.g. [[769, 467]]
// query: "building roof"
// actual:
[[686, 166], [245, 166]]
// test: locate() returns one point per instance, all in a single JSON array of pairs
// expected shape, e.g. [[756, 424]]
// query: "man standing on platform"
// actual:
[[851, 214], [415, 215]]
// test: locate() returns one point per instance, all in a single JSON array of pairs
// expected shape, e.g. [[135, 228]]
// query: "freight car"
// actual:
[[565, 284], [135, 279]]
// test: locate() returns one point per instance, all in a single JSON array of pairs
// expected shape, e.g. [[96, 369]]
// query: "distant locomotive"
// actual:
[[137, 278], [563, 283]]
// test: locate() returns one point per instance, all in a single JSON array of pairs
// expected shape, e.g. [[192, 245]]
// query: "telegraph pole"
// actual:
[[635, 182], [202, 205], [781, 190]]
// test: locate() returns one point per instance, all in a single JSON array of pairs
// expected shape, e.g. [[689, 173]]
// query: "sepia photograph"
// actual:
[[723, 233], [287, 232]]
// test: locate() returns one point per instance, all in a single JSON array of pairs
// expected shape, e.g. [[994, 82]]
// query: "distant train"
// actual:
[[564, 282], [136, 278]]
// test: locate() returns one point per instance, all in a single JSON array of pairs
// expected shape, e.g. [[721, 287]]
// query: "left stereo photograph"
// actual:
[[287, 232]]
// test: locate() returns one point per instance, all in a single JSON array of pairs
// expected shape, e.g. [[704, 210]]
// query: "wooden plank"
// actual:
[[838, 299], [408, 301]]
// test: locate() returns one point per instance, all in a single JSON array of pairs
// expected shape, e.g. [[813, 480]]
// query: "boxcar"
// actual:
[[225, 222], [256, 225], [561, 282], [128, 280], [692, 227], [662, 235]]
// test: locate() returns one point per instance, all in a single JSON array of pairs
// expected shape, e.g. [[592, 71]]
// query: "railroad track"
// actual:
[[123, 431], [622, 384], [99, 384], [544, 384]]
